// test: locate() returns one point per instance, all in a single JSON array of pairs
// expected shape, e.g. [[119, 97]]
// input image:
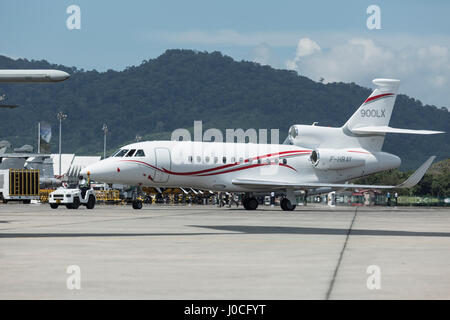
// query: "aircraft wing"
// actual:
[[22, 155], [262, 184]]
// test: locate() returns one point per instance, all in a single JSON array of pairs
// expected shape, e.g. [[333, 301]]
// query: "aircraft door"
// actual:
[[163, 161]]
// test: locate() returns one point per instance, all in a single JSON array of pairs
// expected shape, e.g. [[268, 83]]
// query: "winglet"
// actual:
[[417, 175]]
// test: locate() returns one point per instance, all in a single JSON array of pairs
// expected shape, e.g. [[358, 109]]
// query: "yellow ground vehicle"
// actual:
[[108, 196]]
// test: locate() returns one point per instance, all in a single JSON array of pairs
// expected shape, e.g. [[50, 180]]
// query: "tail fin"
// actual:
[[377, 109], [370, 123]]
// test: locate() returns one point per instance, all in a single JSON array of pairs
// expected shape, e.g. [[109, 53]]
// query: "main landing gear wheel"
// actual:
[[137, 204], [286, 205], [250, 203]]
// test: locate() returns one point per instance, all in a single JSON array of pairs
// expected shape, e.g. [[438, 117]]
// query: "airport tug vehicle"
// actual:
[[73, 197]]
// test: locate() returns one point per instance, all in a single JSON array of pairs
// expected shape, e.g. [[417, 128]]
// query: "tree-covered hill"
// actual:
[[181, 86]]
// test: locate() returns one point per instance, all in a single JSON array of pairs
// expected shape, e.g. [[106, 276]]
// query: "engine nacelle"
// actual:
[[336, 159], [316, 136]]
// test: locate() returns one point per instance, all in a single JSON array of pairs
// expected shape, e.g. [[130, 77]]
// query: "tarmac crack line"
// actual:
[[336, 270]]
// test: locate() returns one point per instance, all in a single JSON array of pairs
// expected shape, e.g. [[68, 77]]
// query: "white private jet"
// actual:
[[314, 158]]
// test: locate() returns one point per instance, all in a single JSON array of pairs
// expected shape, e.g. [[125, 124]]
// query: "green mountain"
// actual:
[[181, 86]]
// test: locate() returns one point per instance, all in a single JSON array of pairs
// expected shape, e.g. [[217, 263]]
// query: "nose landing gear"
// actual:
[[138, 196], [137, 204]]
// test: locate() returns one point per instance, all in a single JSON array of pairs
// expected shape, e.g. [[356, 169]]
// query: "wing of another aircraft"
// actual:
[[22, 155], [263, 184]]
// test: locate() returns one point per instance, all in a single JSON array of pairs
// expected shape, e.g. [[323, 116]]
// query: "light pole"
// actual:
[[105, 130], [61, 116]]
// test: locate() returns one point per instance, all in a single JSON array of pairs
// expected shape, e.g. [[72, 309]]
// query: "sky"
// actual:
[[318, 39]]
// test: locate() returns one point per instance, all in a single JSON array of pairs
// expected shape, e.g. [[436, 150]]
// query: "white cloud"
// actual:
[[305, 47], [424, 70]]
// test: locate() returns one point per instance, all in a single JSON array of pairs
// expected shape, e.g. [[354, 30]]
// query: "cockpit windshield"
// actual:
[[121, 153], [130, 153]]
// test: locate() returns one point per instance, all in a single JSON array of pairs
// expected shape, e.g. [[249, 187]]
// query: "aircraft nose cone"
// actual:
[[57, 75], [99, 171]]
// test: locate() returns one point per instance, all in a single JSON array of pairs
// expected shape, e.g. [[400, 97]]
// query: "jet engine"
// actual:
[[336, 159]]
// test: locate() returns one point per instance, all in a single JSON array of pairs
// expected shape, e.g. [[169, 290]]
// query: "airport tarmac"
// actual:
[[205, 252]]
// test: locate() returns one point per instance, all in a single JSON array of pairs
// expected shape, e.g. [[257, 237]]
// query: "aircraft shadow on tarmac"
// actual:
[[324, 231], [236, 229]]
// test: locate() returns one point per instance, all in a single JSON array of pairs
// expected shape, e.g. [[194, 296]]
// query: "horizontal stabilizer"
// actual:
[[266, 184], [386, 129]]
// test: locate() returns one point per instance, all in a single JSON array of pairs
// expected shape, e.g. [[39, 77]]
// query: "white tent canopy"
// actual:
[[71, 164]]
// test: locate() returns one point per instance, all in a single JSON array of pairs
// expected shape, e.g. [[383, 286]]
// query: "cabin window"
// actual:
[[130, 153], [216, 160], [190, 159], [140, 153], [224, 159], [241, 160], [206, 159], [199, 159], [121, 153], [233, 159], [284, 161]]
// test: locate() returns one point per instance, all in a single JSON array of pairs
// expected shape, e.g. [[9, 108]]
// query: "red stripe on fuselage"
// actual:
[[286, 153], [142, 162], [276, 154], [247, 167], [205, 171], [287, 166], [201, 171]]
